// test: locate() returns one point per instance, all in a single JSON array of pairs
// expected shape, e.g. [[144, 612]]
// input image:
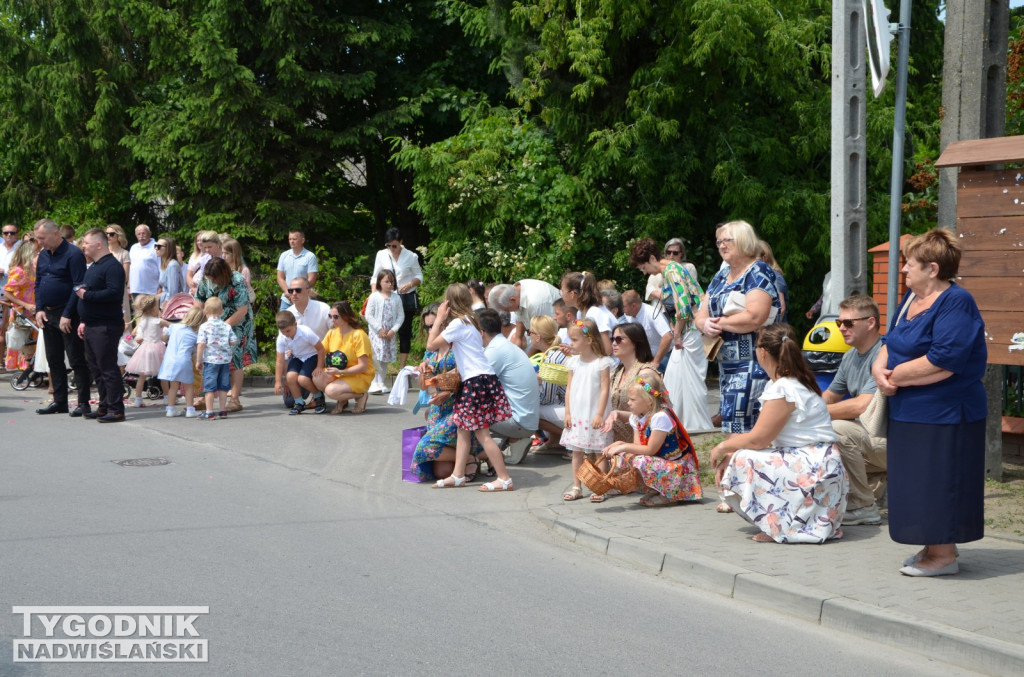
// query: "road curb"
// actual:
[[934, 640]]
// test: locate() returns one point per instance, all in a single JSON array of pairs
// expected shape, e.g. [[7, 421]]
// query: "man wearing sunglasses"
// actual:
[[863, 456]]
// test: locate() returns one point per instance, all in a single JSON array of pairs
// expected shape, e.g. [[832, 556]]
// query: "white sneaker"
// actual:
[[173, 411], [374, 388], [191, 412], [384, 390], [137, 402]]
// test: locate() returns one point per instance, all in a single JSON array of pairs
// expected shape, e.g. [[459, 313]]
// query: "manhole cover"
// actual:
[[142, 462]]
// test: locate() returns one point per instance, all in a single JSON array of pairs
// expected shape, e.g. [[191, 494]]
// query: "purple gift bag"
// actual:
[[410, 438]]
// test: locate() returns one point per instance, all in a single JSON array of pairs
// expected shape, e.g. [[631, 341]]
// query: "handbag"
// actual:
[[875, 418], [410, 302], [127, 346], [410, 439], [17, 336], [736, 302], [711, 346]]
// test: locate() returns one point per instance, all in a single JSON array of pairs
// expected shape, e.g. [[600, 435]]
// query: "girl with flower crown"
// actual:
[[661, 450]]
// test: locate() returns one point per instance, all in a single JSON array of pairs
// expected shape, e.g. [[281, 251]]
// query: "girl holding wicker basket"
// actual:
[[661, 450], [480, 400]]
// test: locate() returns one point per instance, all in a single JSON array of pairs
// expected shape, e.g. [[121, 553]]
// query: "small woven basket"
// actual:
[[554, 373], [591, 475], [448, 381], [624, 476]]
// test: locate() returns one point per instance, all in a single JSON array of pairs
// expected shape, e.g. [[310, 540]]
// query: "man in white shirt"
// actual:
[[864, 457], [144, 272], [527, 299], [308, 312], [659, 333]]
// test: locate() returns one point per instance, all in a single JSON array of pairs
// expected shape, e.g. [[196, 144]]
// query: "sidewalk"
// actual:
[[974, 620]]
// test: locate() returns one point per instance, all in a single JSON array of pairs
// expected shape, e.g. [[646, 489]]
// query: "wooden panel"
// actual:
[[1004, 294], [999, 329], [990, 193], [992, 233], [982, 152], [985, 263]]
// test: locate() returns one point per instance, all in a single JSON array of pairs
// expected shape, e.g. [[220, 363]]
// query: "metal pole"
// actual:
[[898, 143]]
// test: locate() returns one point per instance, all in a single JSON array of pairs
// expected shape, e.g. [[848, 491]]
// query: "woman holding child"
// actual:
[[353, 381], [219, 280]]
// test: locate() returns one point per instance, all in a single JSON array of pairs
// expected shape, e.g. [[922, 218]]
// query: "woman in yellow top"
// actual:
[[352, 382]]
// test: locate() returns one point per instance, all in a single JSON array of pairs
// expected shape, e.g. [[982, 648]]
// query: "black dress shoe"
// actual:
[[96, 413], [111, 418], [53, 408], [80, 410]]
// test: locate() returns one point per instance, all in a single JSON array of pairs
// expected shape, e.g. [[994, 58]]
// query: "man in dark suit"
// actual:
[[61, 267]]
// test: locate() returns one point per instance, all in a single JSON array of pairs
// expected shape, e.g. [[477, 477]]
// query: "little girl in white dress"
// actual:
[[149, 335]]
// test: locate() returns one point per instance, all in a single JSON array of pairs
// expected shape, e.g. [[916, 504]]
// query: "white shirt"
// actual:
[[602, 317], [144, 273], [468, 345], [406, 269], [809, 423], [302, 346], [655, 324], [316, 317], [535, 298]]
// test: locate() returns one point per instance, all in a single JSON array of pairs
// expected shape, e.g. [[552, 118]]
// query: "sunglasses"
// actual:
[[334, 317], [672, 252], [110, 234], [848, 324], [296, 290], [158, 246], [618, 339], [428, 327], [10, 232]]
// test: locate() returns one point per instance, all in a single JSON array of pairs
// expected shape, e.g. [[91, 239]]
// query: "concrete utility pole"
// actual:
[[849, 150], [974, 105]]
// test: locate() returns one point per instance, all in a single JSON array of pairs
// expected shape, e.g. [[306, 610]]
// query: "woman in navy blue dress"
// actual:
[[931, 368]]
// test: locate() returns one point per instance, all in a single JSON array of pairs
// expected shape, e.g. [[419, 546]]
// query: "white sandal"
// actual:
[[497, 485], [459, 482]]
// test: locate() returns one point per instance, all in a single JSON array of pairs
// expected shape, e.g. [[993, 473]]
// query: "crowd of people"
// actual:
[[613, 379]]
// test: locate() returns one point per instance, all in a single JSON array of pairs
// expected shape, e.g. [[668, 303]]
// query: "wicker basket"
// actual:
[[554, 373], [448, 381], [624, 476], [594, 478]]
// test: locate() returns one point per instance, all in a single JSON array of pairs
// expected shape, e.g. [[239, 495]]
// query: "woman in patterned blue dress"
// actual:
[[740, 299]]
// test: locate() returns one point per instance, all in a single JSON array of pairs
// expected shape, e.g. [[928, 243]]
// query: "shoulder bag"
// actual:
[[875, 418]]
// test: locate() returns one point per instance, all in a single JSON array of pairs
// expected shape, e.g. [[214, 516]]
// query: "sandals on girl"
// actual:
[[456, 482], [573, 494], [597, 498], [497, 485], [723, 507]]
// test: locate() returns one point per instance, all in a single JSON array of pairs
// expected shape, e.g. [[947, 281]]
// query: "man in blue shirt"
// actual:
[[518, 378], [297, 261], [61, 268], [102, 321]]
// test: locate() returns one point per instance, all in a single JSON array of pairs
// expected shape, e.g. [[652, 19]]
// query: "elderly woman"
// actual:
[[931, 368], [351, 383], [435, 454], [219, 280], [544, 338], [687, 368], [785, 476]]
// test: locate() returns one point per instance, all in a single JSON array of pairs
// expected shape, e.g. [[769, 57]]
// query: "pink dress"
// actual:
[[150, 355]]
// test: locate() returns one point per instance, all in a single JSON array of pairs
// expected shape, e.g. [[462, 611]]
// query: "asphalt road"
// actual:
[[315, 559]]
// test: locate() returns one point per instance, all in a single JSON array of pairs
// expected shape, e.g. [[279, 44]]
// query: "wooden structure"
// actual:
[[880, 279], [990, 224]]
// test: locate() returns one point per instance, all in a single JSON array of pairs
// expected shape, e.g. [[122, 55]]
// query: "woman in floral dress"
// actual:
[[785, 476], [20, 291], [219, 280]]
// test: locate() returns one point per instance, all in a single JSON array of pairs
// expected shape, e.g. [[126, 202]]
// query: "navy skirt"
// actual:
[[936, 482]]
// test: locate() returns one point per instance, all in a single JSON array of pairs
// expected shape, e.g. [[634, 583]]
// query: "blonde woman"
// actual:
[[209, 248], [171, 281], [232, 252], [117, 241], [20, 294]]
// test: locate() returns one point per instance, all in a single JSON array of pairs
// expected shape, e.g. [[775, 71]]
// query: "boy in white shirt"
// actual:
[[307, 362]]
